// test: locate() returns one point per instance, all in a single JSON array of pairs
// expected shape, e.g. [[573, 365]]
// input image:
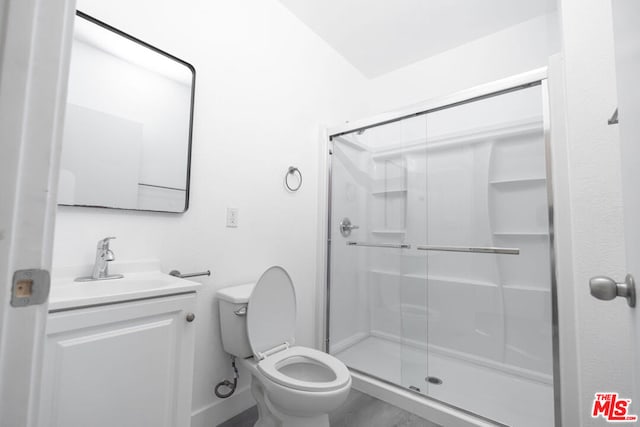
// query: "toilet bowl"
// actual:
[[293, 385]]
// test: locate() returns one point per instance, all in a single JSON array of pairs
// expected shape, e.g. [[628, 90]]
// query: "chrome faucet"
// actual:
[[104, 256]]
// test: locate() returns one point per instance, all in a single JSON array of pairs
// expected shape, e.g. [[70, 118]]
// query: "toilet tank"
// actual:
[[233, 302]]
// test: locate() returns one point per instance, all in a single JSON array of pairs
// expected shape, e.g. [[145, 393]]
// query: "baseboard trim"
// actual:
[[222, 410]]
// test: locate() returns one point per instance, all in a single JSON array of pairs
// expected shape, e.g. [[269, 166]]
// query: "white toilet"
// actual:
[[293, 385]]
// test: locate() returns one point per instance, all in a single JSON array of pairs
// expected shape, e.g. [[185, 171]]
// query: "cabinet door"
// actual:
[[125, 365]]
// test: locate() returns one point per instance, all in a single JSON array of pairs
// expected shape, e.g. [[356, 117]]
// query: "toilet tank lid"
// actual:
[[238, 294]]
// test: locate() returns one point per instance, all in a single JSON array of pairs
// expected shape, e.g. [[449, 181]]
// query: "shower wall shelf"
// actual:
[[392, 191], [390, 231], [526, 288], [517, 181], [386, 273], [521, 233]]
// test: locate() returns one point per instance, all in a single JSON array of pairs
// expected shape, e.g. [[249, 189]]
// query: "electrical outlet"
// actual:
[[232, 217]]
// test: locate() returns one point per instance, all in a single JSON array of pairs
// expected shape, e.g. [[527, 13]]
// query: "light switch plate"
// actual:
[[30, 287], [232, 217]]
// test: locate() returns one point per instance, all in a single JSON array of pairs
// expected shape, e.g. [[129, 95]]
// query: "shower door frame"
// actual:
[[537, 77]]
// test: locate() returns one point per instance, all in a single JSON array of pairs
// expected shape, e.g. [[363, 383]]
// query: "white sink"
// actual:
[[66, 294]]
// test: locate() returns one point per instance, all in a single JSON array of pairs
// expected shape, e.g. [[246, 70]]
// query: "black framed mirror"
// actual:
[[128, 123]]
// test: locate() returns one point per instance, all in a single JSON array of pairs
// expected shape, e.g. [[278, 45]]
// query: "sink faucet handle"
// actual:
[[109, 256], [104, 255], [104, 243]]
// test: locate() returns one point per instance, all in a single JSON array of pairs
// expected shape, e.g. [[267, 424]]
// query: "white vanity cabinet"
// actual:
[[124, 364]]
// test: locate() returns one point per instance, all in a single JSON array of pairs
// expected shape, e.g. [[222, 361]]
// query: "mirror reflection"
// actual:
[[127, 133]]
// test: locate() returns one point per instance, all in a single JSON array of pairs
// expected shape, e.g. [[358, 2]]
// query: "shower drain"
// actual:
[[430, 380], [433, 380]]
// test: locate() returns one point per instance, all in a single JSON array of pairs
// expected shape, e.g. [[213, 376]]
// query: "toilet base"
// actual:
[[269, 416]]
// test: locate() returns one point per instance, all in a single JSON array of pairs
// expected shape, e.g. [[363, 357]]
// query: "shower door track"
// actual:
[[537, 77], [489, 90]]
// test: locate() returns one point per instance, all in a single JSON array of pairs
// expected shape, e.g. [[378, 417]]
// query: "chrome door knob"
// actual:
[[191, 317], [605, 288]]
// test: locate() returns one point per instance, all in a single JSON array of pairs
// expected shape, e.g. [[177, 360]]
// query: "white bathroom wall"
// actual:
[[603, 330], [626, 14], [515, 50], [264, 84]]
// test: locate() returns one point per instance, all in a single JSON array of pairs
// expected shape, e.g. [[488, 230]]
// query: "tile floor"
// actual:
[[360, 410]]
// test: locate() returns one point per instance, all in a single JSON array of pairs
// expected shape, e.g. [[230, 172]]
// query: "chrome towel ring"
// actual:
[[292, 171]]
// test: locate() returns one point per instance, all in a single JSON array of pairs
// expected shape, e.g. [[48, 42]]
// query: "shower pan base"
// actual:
[[513, 400]]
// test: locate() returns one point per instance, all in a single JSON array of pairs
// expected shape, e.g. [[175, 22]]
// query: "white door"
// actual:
[[626, 14], [35, 41]]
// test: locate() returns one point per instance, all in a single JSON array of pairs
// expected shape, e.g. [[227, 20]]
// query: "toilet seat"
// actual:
[[271, 319], [271, 368], [271, 313]]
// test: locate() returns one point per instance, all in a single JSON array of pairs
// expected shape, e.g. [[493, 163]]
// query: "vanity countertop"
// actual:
[[68, 294]]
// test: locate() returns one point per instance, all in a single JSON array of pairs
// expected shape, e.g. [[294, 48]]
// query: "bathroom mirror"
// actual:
[[128, 123]]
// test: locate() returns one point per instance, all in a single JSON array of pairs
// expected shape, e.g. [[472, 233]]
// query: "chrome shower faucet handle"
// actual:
[[346, 227]]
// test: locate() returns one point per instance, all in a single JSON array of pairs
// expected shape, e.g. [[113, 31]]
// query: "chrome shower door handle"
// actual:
[[346, 227], [605, 288]]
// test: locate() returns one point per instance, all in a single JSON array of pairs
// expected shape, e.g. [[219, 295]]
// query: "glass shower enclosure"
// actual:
[[440, 275]]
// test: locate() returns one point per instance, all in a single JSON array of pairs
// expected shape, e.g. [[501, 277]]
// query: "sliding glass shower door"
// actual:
[[440, 275], [371, 296], [488, 257]]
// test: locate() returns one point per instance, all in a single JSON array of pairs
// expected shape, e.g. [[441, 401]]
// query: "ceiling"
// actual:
[[378, 36]]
